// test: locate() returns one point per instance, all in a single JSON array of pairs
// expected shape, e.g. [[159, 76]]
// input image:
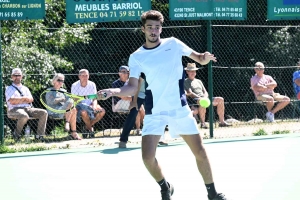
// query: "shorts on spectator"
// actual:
[[276, 97], [179, 121]]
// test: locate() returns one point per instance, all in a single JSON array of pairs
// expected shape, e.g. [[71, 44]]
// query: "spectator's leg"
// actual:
[[269, 103], [128, 124], [138, 121], [202, 112], [219, 102], [72, 119], [98, 116], [22, 117], [284, 101], [40, 114], [85, 117]]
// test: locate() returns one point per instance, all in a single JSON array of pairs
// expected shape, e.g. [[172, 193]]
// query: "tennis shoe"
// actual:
[[270, 116], [219, 196], [167, 195], [122, 144], [16, 136]]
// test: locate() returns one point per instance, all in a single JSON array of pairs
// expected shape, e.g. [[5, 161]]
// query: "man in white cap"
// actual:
[[19, 104], [121, 102], [195, 90], [263, 87]]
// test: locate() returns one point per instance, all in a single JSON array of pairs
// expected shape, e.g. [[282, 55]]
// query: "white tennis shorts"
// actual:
[[179, 121]]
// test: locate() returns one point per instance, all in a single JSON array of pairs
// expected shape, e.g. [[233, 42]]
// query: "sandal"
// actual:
[[67, 126], [75, 136]]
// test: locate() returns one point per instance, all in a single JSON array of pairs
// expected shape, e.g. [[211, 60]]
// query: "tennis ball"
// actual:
[[204, 102]]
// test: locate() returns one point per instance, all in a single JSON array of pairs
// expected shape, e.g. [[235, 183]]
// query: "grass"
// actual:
[[281, 132], [260, 132]]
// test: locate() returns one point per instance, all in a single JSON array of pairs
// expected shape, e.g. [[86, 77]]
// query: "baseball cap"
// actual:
[[259, 65], [16, 71], [124, 67]]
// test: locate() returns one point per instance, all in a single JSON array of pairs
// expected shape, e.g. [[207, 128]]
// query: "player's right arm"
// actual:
[[127, 90]]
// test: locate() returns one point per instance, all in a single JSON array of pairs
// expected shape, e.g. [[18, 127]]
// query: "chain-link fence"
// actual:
[[44, 47]]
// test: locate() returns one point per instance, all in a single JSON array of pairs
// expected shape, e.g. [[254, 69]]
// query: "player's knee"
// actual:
[[148, 157]]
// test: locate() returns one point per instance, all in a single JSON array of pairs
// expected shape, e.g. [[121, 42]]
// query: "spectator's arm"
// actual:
[[297, 81], [271, 85], [191, 94], [20, 100]]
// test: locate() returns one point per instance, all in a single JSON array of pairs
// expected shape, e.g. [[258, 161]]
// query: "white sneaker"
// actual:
[[270, 116]]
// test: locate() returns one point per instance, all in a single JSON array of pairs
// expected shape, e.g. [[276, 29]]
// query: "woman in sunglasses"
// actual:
[[59, 101]]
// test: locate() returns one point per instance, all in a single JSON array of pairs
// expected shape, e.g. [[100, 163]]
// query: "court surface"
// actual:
[[253, 168]]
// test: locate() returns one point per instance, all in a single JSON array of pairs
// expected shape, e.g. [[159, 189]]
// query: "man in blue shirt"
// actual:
[[296, 79]]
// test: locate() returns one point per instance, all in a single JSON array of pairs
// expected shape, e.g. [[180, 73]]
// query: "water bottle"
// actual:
[[27, 134]]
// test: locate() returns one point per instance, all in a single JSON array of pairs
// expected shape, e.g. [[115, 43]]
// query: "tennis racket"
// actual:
[[59, 101]]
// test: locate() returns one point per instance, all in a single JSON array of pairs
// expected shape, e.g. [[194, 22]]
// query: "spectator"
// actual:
[[296, 79], [89, 110], [19, 102], [195, 90], [58, 101], [121, 103], [263, 88], [136, 114]]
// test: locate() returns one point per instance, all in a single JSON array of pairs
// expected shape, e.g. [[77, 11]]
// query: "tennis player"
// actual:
[[159, 62]]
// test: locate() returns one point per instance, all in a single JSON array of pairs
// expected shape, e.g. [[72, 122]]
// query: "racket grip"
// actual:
[[102, 96]]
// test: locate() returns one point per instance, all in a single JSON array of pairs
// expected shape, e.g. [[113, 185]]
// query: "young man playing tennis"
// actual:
[[159, 62]]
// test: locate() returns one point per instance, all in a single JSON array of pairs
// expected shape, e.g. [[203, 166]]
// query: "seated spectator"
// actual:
[[296, 79], [59, 101], [195, 90], [263, 87], [89, 110], [121, 103], [19, 103]]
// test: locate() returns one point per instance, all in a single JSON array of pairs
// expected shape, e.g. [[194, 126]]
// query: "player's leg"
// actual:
[[196, 146], [149, 145], [183, 122], [152, 130]]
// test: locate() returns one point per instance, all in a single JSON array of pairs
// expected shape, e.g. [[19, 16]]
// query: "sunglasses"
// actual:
[[59, 80], [17, 75], [123, 72]]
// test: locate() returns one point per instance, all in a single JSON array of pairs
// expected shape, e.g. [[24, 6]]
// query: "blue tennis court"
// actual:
[[252, 168]]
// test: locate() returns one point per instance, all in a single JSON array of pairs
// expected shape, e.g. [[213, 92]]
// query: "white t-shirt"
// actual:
[[164, 74], [90, 88], [12, 92]]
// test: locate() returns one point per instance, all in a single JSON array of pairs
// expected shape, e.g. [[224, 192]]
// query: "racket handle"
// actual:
[[102, 96]]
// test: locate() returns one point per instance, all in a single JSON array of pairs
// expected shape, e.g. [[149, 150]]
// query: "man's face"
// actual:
[[152, 30], [124, 74], [191, 74], [84, 77], [259, 70], [16, 78]]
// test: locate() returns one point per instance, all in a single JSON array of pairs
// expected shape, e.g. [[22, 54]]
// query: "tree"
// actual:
[[34, 45]]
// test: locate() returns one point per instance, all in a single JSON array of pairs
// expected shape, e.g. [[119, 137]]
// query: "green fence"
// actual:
[[42, 48]]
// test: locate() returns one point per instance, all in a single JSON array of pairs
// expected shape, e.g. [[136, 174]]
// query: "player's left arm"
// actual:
[[203, 58]]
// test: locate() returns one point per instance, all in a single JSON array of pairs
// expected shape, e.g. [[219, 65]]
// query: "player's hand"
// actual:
[[132, 105], [105, 94], [209, 57]]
